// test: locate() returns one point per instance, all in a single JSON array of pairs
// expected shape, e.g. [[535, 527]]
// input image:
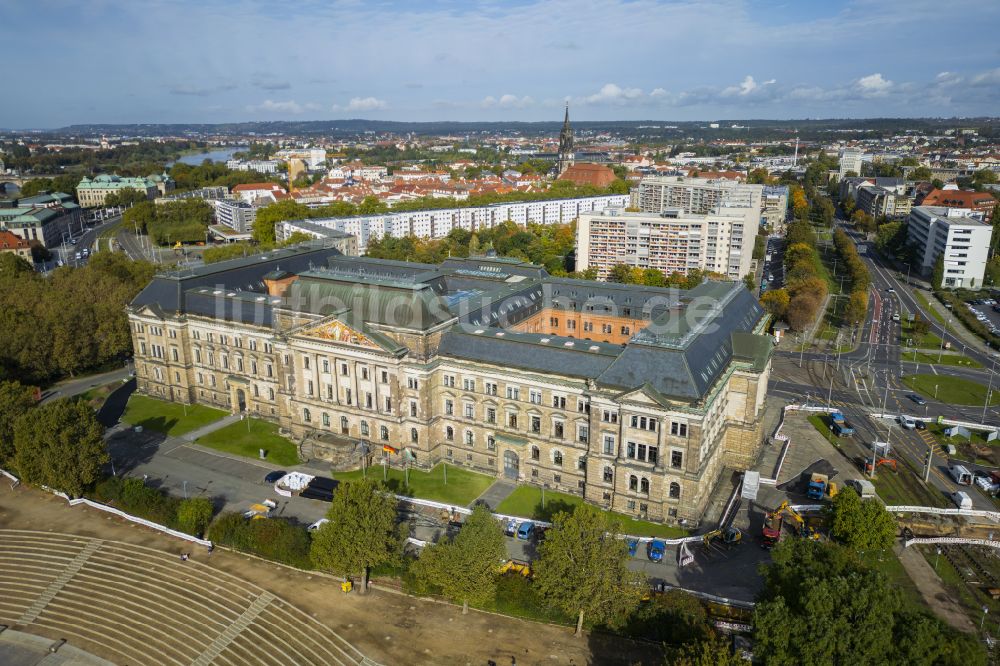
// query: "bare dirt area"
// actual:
[[388, 627]]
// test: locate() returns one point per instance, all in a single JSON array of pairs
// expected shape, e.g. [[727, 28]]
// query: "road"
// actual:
[[867, 379]]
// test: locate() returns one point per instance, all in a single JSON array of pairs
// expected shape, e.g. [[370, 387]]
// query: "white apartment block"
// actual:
[[671, 241], [850, 160], [439, 223], [963, 239], [695, 195], [260, 166], [237, 215]]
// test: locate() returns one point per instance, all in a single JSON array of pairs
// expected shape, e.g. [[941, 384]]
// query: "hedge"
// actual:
[[133, 496], [275, 539]]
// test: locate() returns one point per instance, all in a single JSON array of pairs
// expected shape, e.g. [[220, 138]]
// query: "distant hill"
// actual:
[[805, 128]]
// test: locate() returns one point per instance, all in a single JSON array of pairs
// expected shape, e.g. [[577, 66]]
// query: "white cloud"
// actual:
[[611, 93], [507, 101], [289, 106], [658, 92], [362, 104], [989, 78], [747, 87], [874, 85]]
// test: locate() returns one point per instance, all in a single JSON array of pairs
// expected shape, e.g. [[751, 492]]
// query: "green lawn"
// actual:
[[527, 501], [927, 306], [819, 422], [953, 390], [169, 418], [247, 437], [96, 396], [924, 341], [899, 579], [463, 486], [944, 358]]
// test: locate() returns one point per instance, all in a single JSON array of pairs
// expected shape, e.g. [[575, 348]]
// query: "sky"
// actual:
[[209, 61]]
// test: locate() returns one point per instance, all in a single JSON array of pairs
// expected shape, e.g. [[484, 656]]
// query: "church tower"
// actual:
[[566, 157]]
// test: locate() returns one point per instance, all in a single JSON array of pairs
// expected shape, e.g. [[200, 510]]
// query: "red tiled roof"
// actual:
[[586, 173], [255, 187], [9, 241]]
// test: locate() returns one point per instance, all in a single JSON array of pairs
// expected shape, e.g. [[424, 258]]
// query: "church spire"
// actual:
[[566, 157]]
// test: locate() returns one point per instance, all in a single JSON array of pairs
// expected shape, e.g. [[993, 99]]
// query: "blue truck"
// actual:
[[839, 425]]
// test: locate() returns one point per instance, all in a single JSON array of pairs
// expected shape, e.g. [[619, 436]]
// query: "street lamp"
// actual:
[[981, 622], [936, 557]]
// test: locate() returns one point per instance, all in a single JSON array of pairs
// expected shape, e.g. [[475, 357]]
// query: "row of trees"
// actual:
[[581, 570], [291, 210], [857, 275], [653, 277], [805, 284], [184, 220], [71, 321], [549, 245]]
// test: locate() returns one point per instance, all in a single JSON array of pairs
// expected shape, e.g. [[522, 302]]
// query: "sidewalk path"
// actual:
[[496, 493], [80, 385], [937, 597], [211, 427]]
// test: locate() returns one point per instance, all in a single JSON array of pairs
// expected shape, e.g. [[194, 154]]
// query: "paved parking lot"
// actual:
[[987, 312]]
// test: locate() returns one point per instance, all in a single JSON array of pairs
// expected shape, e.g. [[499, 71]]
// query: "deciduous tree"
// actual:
[[60, 445], [775, 301], [582, 567], [466, 567], [15, 400], [361, 533]]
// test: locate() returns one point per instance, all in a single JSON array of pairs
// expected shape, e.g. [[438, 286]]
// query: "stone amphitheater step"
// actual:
[[35, 609], [223, 640], [151, 608]]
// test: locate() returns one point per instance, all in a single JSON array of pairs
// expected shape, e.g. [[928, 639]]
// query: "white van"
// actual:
[[961, 499], [962, 476], [864, 487]]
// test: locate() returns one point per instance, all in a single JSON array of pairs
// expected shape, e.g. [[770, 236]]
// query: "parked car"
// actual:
[[511, 528], [524, 530], [917, 399], [907, 422], [920, 425], [318, 524], [655, 550], [633, 546], [272, 477]]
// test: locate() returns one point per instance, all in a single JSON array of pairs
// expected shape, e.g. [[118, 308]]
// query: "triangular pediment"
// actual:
[[339, 332], [645, 395]]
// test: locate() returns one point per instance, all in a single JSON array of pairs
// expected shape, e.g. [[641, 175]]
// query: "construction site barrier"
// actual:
[[961, 541], [118, 512], [972, 513]]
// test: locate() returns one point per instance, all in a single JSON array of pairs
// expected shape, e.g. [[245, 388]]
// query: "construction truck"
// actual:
[[516, 567], [839, 425], [773, 522], [728, 536], [866, 465], [818, 484]]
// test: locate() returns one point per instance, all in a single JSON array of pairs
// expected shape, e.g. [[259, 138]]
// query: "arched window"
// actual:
[[364, 428], [633, 483], [644, 486], [470, 439], [384, 432], [557, 457], [413, 435], [344, 424], [675, 490], [326, 419], [306, 416], [609, 475], [535, 453], [449, 433]]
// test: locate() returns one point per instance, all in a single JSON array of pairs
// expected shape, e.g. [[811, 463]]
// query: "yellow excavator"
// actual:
[[772, 523], [728, 536]]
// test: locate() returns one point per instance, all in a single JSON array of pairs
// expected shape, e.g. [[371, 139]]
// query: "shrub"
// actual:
[[194, 515], [271, 538]]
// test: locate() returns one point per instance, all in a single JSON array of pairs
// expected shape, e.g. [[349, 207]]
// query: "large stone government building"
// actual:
[[634, 397]]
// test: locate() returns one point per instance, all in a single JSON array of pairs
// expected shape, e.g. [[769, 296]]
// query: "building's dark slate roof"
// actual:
[[526, 351], [169, 290], [692, 337]]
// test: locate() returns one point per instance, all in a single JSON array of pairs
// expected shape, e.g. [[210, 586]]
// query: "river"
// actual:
[[219, 155]]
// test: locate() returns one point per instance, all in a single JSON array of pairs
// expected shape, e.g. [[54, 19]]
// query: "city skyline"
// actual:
[[242, 60]]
